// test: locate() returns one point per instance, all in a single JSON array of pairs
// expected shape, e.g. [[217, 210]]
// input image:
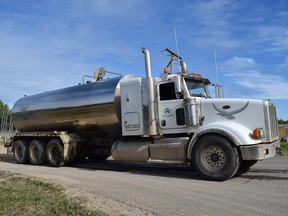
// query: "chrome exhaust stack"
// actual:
[[183, 67], [150, 97], [147, 62]]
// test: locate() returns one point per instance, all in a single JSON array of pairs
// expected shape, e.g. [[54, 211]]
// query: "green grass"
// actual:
[[28, 196], [284, 147]]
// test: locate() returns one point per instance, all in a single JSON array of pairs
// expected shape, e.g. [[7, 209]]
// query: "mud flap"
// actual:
[[70, 142]]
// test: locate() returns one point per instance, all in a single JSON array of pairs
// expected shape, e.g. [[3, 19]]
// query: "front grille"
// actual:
[[273, 122]]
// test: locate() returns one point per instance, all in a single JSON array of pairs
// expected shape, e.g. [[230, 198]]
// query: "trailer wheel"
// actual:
[[37, 154], [20, 152], [215, 158], [55, 153]]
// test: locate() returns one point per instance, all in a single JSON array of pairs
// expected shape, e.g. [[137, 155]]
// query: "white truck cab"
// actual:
[[217, 136]]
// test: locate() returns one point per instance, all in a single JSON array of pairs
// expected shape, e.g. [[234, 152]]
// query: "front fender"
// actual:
[[236, 133]]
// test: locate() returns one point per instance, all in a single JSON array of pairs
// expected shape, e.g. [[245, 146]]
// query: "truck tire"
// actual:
[[37, 154], [215, 158], [55, 153], [20, 152]]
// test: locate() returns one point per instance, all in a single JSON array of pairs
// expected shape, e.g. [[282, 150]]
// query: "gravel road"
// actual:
[[149, 189]]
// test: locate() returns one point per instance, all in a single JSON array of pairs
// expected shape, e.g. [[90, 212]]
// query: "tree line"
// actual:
[[4, 109], [5, 118], [281, 122]]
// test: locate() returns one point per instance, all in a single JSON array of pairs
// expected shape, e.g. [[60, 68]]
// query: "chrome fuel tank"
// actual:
[[89, 107]]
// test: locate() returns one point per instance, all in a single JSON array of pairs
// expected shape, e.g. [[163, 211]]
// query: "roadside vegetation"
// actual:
[[284, 148], [28, 196]]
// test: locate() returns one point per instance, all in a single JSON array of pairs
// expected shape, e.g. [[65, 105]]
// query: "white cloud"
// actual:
[[285, 62], [212, 24], [245, 73], [275, 37], [240, 62]]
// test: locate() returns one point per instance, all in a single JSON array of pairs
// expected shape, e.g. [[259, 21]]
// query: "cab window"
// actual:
[[167, 91]]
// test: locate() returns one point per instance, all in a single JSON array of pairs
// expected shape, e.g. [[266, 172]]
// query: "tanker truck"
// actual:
[[168, 119]]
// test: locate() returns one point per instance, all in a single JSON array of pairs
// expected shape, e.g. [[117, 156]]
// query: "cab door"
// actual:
[[170, 108]]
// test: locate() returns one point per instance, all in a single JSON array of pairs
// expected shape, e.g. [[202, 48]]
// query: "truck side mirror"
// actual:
[[177, 84]]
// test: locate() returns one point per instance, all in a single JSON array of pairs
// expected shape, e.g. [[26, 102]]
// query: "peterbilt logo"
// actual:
[[167, 111], [229, 114]]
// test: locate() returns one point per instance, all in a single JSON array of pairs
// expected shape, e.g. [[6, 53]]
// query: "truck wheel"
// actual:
[[20, 152], [55, 153], [215, 158], [37, 154]]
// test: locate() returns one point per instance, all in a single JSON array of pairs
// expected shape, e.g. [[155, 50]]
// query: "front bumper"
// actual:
[[259, 151]]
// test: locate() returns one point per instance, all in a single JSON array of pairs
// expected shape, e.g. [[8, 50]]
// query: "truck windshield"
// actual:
[[197, 88]]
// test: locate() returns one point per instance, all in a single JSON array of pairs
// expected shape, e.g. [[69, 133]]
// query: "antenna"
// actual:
[[177, 48], [216, 67], [219, 92]]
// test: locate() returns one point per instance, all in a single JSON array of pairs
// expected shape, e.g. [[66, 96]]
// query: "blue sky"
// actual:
[[50, 44]]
